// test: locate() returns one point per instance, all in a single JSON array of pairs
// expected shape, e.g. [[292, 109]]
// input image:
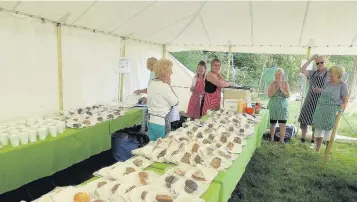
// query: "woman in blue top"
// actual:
[[150, 63]]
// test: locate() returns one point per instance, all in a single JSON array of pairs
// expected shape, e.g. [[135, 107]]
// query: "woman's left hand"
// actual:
[[342, 108], [317, 90]]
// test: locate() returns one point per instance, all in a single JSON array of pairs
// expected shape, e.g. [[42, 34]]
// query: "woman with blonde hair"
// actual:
[[198, 90], [334, 98], [150, 63], [278, 93], [161, 98], [214, 82]]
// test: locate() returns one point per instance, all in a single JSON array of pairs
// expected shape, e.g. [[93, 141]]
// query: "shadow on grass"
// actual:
[[293, 172]]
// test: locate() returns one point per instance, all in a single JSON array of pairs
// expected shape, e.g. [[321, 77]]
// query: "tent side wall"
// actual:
[[29, 68]]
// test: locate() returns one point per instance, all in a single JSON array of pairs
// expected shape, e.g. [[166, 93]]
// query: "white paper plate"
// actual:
[[153, 191], [179, 188], [209, 173], [134, 179], [224, 163], [145, 162], [118, 172]]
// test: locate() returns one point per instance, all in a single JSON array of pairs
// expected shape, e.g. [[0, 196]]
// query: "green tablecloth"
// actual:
[[132, 117], [26, 163], [230, 178]]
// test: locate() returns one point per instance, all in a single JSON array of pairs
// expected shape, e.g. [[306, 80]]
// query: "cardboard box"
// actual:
[[230, 93], [231, 104]]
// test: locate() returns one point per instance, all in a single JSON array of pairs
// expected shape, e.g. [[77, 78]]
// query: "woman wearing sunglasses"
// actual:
[[317, 79]]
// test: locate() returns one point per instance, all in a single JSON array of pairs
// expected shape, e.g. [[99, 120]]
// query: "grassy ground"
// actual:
[[345, 129], [293, 172]]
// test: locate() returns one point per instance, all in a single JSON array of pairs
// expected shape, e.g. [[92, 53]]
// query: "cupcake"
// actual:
[[190, 186]]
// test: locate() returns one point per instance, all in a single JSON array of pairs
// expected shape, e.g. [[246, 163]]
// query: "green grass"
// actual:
[[293, 172], [345, 129]]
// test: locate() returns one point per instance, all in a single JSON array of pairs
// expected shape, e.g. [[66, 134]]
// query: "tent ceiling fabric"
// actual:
[[250, 26]]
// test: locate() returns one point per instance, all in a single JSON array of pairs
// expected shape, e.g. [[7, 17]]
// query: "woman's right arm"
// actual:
[[304, 67], [192, 88], [272, 89], [217, 82]]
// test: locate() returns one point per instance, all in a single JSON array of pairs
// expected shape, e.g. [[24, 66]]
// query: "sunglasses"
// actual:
[[317, 63]]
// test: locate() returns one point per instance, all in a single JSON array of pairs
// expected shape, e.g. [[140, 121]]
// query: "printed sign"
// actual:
[[124, 66]]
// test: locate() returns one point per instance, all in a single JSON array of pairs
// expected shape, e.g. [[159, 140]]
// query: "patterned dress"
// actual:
[[316, 79], [328, 105], [212, 97], [194, 104], [278, 107]]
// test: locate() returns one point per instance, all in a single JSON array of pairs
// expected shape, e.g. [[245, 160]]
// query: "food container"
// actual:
[[53, 131], [4, 139], [42, 133], [24, 137], [32, 135], [249, 110], [14, 140]]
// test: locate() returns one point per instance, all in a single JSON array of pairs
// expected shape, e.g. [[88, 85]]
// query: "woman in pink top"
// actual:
[[198, 90]]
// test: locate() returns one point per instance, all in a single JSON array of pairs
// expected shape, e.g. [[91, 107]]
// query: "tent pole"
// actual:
[[121, 76], [332, 139], [59, 67], [229, 62], [304, 84], [163, 50]]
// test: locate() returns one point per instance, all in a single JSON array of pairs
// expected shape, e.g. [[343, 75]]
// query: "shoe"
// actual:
[[303, 140]]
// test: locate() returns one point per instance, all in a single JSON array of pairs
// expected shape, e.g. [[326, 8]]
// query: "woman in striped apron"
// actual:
[[198, 90], [213, 84], [334, 97], [278, 92], [317, 79]]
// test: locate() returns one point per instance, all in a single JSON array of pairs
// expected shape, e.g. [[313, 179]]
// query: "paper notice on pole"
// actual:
[[124, 66]]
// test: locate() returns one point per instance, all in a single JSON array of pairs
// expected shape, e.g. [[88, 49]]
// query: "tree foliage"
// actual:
[[248, 68]]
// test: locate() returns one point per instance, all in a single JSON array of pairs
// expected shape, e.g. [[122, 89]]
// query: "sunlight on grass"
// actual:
[[293, 172]]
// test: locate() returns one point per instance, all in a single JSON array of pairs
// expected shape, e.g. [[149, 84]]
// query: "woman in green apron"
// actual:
[[334, 97], [278, 92]]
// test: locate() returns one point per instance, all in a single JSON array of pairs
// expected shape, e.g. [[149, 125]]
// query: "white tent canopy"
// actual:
[[248, 26], [93, 34]]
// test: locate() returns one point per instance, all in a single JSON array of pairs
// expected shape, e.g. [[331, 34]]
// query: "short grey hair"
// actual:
[[339, 71], [280, 70]]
